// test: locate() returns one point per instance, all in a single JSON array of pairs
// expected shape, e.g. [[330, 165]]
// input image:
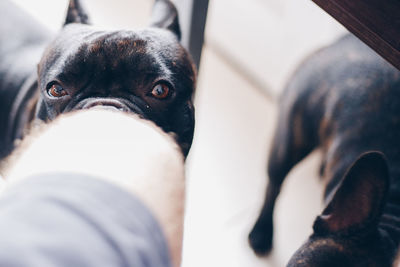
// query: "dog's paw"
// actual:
[[260, 238]]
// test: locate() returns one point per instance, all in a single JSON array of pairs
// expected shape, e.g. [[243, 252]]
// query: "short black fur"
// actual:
[[95, 68]]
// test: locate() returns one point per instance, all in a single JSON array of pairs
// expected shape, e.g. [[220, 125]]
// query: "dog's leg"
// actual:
[[292, 142]]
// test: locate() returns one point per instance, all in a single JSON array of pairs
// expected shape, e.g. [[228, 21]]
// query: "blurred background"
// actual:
[[251, 48]]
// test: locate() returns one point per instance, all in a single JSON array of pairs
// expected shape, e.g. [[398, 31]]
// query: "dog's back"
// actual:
[[21, 44], [345, 99]]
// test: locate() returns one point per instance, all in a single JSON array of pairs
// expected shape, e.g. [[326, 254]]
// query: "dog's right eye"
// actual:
[[56, 90], [160, 91]]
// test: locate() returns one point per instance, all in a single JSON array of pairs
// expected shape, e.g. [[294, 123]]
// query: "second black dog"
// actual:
[[344, 99]]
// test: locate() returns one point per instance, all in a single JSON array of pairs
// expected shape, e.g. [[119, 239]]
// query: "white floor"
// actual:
[[251, 48], [226, 176]]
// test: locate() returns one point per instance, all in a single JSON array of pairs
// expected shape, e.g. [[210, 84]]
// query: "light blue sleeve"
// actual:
[[66, 219]]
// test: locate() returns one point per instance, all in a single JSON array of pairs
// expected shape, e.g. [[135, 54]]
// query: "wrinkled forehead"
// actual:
[[148, 50]]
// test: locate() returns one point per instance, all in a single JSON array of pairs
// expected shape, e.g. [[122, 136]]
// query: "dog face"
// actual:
[[146, 72], [346, 233]]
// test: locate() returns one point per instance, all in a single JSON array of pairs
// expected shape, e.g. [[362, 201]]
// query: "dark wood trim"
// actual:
[[375, 22]]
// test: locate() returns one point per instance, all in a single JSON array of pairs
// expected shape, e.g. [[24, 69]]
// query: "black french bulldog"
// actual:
[[345, 100], [146, 72]]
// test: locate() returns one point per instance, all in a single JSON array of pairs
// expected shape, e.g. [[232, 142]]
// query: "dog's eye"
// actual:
[[56, 90], [160, 91]]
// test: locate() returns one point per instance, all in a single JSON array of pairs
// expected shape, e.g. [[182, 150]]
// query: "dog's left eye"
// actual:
[[56, 90], [160, 91]]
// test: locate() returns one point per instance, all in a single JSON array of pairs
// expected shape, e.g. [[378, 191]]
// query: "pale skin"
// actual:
[[121, 149]]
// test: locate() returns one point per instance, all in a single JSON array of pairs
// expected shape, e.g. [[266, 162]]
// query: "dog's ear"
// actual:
[[359, 200], [76, 13], [165, 15]]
